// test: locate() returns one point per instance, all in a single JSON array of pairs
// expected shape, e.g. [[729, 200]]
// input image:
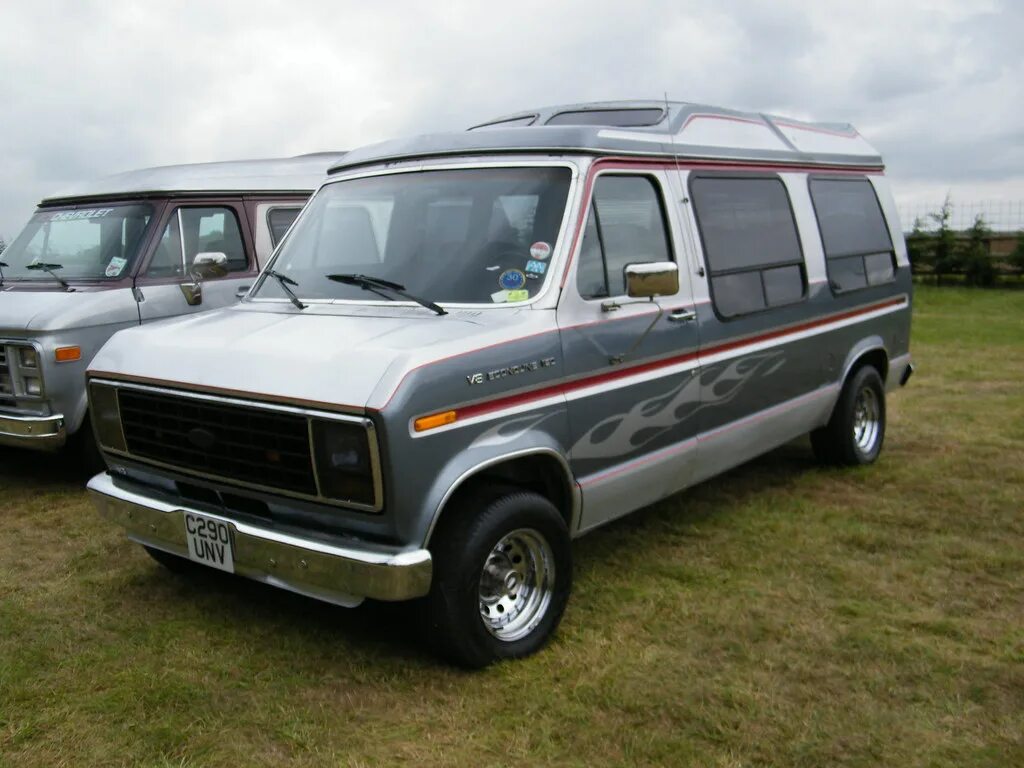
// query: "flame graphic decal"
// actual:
[[624, 433]]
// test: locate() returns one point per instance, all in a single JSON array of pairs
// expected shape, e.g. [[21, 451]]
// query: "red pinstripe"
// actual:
[[551, 390]]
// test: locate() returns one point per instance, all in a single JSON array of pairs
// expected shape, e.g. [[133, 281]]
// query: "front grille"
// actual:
[[6, 382], [235, 442]]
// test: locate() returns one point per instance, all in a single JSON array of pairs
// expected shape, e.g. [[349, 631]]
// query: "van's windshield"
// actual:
[[86, 243], [463, 236]]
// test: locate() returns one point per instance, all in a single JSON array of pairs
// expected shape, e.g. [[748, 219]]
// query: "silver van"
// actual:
[[473, 347], [125, 250]]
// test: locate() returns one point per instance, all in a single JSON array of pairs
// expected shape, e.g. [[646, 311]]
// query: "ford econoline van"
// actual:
[[125, 250], [473, 347]]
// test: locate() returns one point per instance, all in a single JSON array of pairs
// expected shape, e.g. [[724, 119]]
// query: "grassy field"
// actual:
[[780, 615]]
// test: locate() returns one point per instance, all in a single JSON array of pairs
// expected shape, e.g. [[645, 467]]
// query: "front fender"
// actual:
[[538, 433]]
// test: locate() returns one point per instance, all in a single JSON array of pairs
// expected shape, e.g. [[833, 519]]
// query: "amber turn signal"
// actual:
[[434, 421], [67, 354]]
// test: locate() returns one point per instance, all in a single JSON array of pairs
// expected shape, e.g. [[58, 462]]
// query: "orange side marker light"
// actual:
[[434, 421], [67, 354]]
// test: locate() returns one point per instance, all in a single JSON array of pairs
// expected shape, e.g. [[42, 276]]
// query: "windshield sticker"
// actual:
[[518, 295], [512, 279], [115, 267], [92, 213], [536, 266], [540, 250], [500, 297]]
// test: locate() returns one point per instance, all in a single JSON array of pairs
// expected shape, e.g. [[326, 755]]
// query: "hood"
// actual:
[[325, 355], [55, 310]]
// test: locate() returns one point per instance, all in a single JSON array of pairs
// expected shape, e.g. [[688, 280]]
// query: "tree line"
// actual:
[[946, 252]]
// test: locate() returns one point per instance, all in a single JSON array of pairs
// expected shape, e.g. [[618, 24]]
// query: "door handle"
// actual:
[[682, 316]]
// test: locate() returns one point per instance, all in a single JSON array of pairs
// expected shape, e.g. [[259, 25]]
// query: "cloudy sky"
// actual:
[[91, 88]]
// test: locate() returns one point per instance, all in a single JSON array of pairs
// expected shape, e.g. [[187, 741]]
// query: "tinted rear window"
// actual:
[[620, 118], [849, 216], [854, 234]]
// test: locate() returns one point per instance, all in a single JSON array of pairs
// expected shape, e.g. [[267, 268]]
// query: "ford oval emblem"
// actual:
[[203, 439]]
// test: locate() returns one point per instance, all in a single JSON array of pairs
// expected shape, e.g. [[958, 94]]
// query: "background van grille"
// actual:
[[248, 445], [6, 383]]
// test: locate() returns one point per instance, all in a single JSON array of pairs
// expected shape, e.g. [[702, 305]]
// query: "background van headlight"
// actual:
[[33, 385], [345, 464], [28, 357]]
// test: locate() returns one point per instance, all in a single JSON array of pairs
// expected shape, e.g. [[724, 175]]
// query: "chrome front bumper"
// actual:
[[45, 433], [340, 574]]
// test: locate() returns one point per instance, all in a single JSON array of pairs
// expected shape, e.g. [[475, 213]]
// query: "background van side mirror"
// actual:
[[655, 278], [210, 264]]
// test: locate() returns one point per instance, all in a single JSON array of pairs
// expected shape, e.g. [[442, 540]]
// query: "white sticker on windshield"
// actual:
[[92, 213], [540, 250], [115, 267], [500, 297]]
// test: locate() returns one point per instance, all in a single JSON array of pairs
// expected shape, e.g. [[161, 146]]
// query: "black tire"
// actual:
[[173, 563], [856, 430], [465, 544]]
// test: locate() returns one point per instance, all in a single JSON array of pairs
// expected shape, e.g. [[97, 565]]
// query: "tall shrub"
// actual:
[[919, 249], [946, 254], [975, 258]]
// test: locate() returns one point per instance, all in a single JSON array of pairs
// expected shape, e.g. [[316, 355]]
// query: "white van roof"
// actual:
[[642, 128], [303, 173]]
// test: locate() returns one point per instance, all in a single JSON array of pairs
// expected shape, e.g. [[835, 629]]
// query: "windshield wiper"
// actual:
[[368, 283], [48, 267], [286, 281]]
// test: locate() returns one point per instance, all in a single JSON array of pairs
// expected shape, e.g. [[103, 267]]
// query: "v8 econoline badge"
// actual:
[[510, 370]]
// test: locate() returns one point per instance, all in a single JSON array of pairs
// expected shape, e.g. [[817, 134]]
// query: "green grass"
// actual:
[[779, 615]]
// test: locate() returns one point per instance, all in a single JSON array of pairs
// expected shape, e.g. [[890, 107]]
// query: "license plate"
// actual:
[[209, 542]]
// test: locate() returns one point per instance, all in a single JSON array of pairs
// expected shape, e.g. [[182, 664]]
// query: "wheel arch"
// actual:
[[869, 351], [543, 470]]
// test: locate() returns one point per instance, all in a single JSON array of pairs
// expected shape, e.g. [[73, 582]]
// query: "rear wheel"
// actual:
[[856, 430], [502, 577]]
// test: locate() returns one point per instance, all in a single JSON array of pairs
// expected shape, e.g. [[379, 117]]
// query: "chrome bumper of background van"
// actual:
[[44, 433], [340, 574]]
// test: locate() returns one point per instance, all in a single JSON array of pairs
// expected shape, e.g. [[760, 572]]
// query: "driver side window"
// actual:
[[625, 225], [209, 229]]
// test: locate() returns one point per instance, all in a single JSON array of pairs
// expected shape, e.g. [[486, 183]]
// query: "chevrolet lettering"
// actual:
[[652, 293]]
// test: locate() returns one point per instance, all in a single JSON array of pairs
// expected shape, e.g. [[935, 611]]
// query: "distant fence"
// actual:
[[999, 215]]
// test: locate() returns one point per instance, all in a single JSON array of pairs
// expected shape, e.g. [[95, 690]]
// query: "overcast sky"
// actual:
[[92, 88]]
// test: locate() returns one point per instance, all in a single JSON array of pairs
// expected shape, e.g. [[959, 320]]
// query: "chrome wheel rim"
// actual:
[[866, 420], [517, 584]]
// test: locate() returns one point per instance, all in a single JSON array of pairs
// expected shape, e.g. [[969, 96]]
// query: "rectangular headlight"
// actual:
[[106, 417], [33, 385], [27, 357], [345, 462]]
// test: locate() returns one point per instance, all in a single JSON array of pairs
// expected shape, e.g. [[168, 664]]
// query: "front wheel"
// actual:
[[502, 577], [855, 433]]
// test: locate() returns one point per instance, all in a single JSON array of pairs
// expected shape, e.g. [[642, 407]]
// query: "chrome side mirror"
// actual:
[[204, 265], [210, 264], [655, 278]]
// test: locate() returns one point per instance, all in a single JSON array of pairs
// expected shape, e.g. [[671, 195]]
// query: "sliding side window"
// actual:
[[626, 225], [750, 243], [858, 249]]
